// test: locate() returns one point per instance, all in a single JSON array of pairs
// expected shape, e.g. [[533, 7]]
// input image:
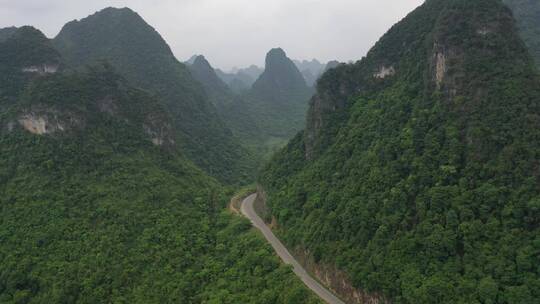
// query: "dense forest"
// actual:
[[123, 39], [418, 172], [99, 205]]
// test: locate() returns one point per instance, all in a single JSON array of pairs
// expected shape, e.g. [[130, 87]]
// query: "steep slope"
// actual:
[[418, 171], [216, 89], [137, 51], [97, 205], [527, 14]]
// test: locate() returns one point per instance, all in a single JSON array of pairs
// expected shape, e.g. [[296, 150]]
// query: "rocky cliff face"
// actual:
[[72, 105], [333, 91], [445, 61], [42, 120]]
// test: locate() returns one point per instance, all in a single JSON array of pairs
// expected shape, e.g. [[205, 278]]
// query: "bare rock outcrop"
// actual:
[[42, 120], [42, 69]]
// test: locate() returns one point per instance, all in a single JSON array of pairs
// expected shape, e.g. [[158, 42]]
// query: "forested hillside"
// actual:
[[123, 39], [418, 172], [98, 205]]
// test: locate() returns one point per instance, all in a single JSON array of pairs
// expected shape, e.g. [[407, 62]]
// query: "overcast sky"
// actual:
[[236, 32]]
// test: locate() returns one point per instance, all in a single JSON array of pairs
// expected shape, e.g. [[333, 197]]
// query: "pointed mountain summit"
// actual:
[[191, 60], [203, 72], [280, 79], [138, 52]]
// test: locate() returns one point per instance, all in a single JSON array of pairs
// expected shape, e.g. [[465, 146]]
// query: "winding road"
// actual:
[[248, 211]]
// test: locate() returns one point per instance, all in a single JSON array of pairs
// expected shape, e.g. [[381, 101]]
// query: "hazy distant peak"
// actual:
[[200, 59], [117, 11], [203, 66], [331, 64], [191, 60], [275, 54], [280, 77], [313, 61]]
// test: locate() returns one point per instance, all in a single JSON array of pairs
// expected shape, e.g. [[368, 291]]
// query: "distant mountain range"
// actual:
[[241, 80], [266, 113]]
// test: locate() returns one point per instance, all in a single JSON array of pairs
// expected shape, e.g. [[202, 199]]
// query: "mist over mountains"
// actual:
[[409, 176]]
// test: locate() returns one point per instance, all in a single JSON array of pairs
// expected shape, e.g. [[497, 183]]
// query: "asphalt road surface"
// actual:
[[249, 212]]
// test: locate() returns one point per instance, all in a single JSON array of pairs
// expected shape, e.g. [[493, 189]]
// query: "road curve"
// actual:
[[248, 211]]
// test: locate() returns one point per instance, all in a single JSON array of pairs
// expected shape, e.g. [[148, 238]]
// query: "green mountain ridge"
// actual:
[[123, 39], [417, 173]]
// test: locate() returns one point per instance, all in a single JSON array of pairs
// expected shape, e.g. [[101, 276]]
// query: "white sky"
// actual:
[[236, 32]]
